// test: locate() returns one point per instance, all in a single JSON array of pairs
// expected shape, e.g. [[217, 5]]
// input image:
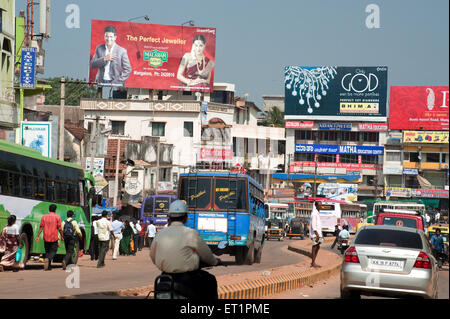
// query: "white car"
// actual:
[[389, 261]]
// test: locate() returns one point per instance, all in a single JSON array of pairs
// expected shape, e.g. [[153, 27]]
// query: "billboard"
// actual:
[[339, 149], [152, 56], [37, 135], [335, 92], [425, 137], [419, 108], [338, 191]]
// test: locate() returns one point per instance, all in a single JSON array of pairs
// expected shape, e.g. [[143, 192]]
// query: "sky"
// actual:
[[256, 39]]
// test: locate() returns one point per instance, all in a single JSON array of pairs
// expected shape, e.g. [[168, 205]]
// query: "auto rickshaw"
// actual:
[[296, 228], [275, 229]]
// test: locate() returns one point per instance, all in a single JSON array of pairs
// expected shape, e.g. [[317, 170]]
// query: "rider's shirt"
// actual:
[[178, 249], [437, 242], [344, 234]]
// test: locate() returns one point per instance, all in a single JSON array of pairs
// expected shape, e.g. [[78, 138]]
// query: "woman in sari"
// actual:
[[9, 244], [127, 235], [195, 68]]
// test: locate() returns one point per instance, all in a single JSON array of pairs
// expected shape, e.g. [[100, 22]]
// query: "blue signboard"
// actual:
[[410, 171], [339, 149], [335, 126], [28, 68]]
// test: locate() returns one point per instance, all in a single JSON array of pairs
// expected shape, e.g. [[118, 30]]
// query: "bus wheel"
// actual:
[[250, 257], [25, 247], [258, 253], [241, 252]]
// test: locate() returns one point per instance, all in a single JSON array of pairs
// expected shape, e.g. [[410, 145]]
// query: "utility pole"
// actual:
[[116, 179], [61, 120], [158, 147], [315, 176], [93, 144]]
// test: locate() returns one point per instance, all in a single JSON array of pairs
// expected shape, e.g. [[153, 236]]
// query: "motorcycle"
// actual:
[[342, 245], [166, 287]]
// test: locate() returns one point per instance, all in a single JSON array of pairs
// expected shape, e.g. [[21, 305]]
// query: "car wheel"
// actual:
[[350, 294]]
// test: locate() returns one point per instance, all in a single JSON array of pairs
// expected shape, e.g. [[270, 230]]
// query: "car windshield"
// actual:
[[389, 237], [400, 221]]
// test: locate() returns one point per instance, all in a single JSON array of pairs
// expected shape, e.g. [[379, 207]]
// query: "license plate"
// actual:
[[386, 264], [212, 242]]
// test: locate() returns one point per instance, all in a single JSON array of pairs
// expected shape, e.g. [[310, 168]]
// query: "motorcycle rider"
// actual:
[[437, 243], [178, 251], [344, 233]]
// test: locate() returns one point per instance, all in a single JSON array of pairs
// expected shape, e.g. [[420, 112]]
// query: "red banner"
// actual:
[[215, 154], [152, 56], [299, 124], [419, 108], [372, 127]]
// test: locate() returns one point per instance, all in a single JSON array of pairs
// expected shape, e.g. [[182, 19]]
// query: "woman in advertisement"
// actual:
[[195, 68]]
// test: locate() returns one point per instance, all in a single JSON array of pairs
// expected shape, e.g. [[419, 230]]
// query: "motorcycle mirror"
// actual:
[[222, 244]]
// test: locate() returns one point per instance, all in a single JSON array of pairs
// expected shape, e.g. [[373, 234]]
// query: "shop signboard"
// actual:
[[299, 124], [427, 137], [430, 193], [153, 56], [299, 166], [372, 127], [397, 191], [419, 108], [392, 170], [216, 154], [37, 135], [410, 171], [333, 92], [339, 149], [335, 126]]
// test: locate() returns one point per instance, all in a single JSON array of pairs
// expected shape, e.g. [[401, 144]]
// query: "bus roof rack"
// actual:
[[400, 211]]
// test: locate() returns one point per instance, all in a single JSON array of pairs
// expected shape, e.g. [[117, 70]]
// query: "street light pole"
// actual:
[[61, 120], [116, 179]]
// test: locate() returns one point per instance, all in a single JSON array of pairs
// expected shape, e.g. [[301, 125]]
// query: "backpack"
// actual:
[[69, 230]]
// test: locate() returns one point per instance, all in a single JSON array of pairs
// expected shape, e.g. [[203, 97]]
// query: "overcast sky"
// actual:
[[256, 39]]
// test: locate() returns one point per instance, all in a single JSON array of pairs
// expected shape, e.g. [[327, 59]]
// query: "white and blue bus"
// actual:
[[226, 207]]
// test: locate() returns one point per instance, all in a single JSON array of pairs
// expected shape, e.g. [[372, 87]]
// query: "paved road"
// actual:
[[126, 272]]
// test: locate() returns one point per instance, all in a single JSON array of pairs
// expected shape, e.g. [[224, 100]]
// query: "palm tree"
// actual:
[[275, 117]]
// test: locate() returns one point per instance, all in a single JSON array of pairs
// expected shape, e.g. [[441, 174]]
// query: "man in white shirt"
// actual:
[[104, 229], [315, 233], [151, 233]]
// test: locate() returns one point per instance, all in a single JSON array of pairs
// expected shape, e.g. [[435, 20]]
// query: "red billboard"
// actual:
[[299, 124], [152, 56], [419, 108]]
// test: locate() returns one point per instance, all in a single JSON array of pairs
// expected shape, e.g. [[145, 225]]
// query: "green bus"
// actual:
[[30, 183]]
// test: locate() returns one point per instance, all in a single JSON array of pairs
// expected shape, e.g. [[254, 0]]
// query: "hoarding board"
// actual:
[[152, 56], [339, 149], [37, 135], [419, 108], [425, 137], [334, 92], [338, 191]]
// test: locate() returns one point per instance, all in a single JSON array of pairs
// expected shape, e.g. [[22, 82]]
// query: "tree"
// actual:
[[75, 90], [275, 117]]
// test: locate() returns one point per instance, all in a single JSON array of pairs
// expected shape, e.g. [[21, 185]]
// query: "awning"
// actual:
[[319, 178]]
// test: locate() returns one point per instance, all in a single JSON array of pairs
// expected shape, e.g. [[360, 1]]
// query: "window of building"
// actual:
[[413, 157], [393, 156], [328, 136], [1, 20], [304, 157], [303, 135], [188, 129], [118, 127], [158, 129], [348, 158], [432, 157], [369, 159], [327, 158], [350, 136], [370, 136]]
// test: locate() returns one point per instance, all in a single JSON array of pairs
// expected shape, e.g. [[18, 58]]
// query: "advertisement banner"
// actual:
[[216, 154], [99, 166], [339, 149], [299, 124], [337, 191], [297, 167], [430, 193], [335, 126], [152, 56], [37, 135], [372, 127], [419, 108], [425, 137], [335, 91], [397, 191]]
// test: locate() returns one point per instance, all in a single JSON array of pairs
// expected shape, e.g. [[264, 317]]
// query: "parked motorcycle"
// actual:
[[342, 245]]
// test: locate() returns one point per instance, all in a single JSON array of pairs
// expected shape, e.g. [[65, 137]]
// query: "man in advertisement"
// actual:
[[111, 60]]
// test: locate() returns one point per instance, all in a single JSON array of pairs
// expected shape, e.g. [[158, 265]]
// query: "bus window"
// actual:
[[27, 186], [50, 193], [162, 205], [4, 189], [14, 182], [148, 207], [229, 194], [196, 192]]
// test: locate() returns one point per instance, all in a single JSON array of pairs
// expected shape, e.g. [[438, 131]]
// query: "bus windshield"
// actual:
[[229, 194], [196, 192]]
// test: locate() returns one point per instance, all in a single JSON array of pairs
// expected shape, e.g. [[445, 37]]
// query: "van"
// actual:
[[401, 218]]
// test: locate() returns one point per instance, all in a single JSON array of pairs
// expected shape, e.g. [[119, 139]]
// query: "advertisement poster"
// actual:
[[425, 137], [37, 135], [335, 91], [99, 166], [153, 56], [418, 108], [337, 191]]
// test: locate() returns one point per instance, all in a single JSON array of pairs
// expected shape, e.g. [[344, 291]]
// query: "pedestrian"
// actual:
[[336, 235], [127, 236], [118, 227], [136, 229], [105, 230], [315, 233], [9, 245], [51, 225], [151, 233], [438, 217], [427, 219], [141, 235], [70, 232], [437, 244], [93, 247]]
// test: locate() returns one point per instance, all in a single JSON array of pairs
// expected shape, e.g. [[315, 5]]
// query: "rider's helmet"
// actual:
[[178, 208]]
